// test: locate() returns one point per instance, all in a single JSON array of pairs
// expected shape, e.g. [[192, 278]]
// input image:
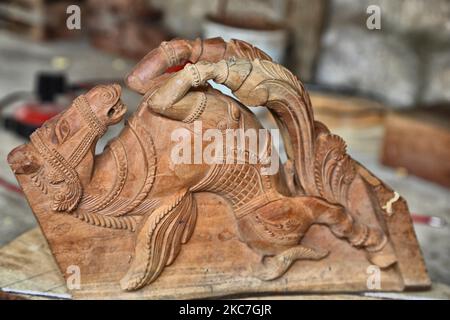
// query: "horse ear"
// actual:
[[23, 160]]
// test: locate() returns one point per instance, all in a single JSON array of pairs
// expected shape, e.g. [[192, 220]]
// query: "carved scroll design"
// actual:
[[160, 238], [334, 169], [40, 181]]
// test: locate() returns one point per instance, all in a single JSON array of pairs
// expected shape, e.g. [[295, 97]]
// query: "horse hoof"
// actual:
[[270, 269], [275, 267], [384, 258]]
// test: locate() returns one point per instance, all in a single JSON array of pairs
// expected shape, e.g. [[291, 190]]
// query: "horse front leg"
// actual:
[[178, 52]]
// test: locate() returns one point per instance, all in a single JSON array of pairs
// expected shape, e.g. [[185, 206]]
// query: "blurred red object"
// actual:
[[431, 221], [35, 114]]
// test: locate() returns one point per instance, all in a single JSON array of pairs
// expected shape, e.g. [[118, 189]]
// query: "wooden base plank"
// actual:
[[23, 263], [200, 271], [27, 268]]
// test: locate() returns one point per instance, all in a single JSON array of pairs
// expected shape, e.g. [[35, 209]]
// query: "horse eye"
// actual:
[[63, 131]]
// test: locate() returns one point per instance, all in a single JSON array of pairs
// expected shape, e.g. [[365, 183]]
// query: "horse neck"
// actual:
[[126, 169], [85, 168]]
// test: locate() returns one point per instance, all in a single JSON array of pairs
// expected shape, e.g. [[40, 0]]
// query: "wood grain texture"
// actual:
[[26, 244], [27, 267]]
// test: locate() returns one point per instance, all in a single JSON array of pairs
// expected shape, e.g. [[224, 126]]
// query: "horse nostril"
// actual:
[[110, 112]]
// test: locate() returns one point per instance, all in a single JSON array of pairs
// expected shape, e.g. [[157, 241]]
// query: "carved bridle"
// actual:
[[63, 170]]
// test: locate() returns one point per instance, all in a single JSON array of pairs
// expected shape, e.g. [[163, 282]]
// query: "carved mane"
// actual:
[[322, 166]]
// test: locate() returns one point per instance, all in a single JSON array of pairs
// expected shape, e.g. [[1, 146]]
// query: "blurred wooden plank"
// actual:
[[419, 141], [38, 20], [338, 111]]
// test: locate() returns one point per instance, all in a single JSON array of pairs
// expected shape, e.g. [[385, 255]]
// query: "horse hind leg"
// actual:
[[342, 225], [277, 260], [311, 210]]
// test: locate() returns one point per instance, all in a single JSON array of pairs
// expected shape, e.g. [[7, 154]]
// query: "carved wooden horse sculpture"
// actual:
[[135, 185]]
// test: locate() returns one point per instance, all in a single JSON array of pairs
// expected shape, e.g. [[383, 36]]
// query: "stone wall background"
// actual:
[[405, 63], [303, 18]]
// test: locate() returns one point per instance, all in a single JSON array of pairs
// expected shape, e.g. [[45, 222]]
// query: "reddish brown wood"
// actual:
[[424, 153], [129, 28], [125, 213]]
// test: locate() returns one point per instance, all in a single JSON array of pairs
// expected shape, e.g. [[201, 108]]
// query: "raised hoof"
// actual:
[[383, 258], [274, 267]]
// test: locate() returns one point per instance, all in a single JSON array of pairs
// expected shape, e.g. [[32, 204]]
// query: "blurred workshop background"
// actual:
[[378, 72]]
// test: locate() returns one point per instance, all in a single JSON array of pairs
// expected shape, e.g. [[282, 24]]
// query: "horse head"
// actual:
[[60, 155]]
